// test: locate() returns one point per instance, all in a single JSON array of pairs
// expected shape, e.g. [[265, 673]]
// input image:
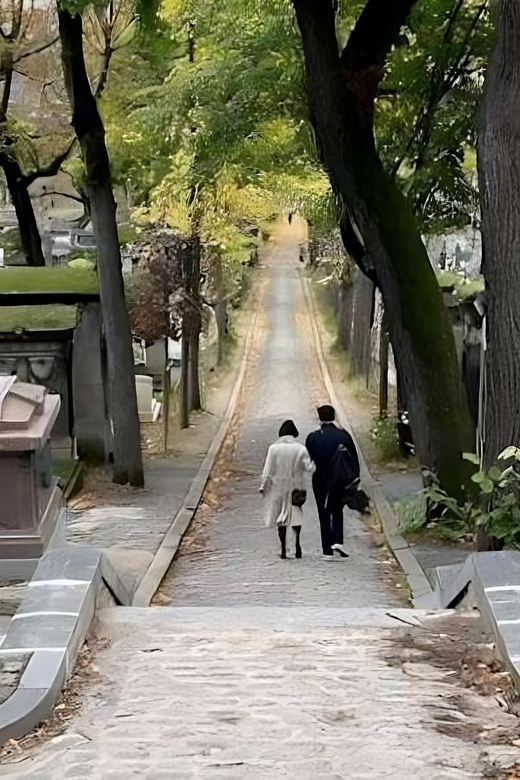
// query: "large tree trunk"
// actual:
[[122, 399], [362, 311], [29, 232], [343, 91], [499, 174]]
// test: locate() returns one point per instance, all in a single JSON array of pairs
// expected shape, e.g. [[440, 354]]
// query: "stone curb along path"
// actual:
[[173, 537], [45, 635], [420, 587]]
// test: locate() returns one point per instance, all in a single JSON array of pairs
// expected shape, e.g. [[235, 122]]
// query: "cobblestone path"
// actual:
[[229, 557], [263, 669]]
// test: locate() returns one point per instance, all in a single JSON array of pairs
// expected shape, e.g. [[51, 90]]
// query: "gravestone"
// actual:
[[144, 389], [31, 499]]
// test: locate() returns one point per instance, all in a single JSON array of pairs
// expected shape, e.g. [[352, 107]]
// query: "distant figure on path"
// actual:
[[337, 466], [283, 484]]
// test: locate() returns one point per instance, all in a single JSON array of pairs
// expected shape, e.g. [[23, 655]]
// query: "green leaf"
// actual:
[[471, 457], [486, 485], [479, 477], [495, 474]]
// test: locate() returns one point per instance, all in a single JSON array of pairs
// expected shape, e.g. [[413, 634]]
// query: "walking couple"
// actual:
[[330, 456]]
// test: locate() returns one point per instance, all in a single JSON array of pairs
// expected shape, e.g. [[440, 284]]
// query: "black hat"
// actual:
[[288, 429], [326, 413]]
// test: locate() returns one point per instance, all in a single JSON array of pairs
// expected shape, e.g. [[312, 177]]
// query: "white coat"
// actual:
[[286, 467]]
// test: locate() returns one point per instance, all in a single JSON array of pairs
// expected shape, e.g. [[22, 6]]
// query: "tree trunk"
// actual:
[[29, 232], [383, 370], [499, 175], [166, 395], [221, 320], [122, 398], [344, 304], [185, 379], [362, 312], [195, 401], [195, 319], [343, 91]]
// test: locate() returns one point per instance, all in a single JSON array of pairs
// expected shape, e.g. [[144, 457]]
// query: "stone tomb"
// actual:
[[30, 498]]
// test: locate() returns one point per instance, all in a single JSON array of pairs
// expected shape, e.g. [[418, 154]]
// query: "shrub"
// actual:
[[384, 433]]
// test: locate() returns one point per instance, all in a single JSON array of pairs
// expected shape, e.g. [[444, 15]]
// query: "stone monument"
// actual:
[[30, 498]]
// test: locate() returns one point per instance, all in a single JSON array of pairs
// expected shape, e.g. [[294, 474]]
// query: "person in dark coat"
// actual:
[[322, 446]]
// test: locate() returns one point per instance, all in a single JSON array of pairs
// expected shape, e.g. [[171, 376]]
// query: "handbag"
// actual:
[[298, 497]]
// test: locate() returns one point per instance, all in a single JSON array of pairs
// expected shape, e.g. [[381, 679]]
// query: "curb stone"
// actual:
[[49, 628], [173, 537], [422, 594], [491, 581]]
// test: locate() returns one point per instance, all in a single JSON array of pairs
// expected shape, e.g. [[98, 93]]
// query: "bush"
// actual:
[[384, 433]]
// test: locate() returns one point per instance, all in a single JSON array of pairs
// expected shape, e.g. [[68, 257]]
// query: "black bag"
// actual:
[[357, 499], [343, 473], [298, 497]]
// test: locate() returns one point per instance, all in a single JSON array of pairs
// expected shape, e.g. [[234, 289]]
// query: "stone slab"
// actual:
[[122, 570], [51, 624], [70, 563], [38, 432], [45, 669], [53, 597]]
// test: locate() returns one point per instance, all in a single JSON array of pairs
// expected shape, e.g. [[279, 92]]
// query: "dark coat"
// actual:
[[322, 445]]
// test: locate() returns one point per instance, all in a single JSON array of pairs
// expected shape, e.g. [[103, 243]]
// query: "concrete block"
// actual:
[[123, 570], [78, 563], [20, 713], [51, 625], [54, 597], [40, 630], [45, 669]]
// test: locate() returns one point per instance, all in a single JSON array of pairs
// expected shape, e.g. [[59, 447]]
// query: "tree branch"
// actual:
[[363, 58], [51, 169]]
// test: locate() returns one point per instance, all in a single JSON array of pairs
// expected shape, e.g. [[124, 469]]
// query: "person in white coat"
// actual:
[[284, 484]]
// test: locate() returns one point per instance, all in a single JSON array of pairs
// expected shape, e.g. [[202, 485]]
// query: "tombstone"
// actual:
[[144, 389], [31, 499]]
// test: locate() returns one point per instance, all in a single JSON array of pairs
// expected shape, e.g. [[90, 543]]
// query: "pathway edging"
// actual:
[[417, 580], [46, 634], [173, 537]]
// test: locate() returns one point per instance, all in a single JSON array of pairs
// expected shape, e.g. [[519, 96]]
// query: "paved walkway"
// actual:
[[263, 669], [229, 557]]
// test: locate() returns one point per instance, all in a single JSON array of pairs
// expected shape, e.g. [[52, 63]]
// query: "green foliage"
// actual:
[[426, 114], [128, 233], [384, 433], [20, 318], [215, 137], [494, 507], [458, 285], [49, 280]]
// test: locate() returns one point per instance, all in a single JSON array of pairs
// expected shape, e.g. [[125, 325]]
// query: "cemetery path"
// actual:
[[263, 669]]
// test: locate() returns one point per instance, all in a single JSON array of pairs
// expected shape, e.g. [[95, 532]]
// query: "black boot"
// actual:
[[282, 533], [297, 529]]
